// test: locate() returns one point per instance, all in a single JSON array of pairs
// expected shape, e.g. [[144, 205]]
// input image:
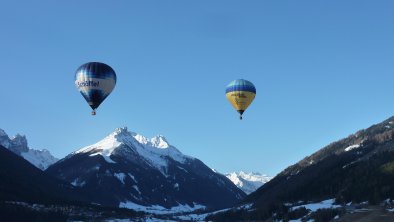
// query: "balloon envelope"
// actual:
[[240, 93], [95, 81]]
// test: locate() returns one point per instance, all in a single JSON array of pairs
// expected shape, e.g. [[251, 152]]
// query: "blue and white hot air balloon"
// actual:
[[95, 81]]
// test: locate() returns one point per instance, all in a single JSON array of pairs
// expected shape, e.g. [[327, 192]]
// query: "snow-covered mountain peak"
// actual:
[[159, 142], [121, 130], [254, 176], [154, 150], [248, 182], [122, 135], [107, 145], [18, 144], [128, 169]]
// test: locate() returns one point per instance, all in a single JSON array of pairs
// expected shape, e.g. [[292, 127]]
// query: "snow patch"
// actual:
[[132, 177], [136, 188], [78, 183], [246, 206], [200, 217], [106, 157], [355, 146], [320, 205], [156, 209], [120, 176]]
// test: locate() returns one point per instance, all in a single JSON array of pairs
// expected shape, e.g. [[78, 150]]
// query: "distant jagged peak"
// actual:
[[121, 130], [159, 141], [248, 182], [18, 144], [243, 173], [252, 176], [19, 139]]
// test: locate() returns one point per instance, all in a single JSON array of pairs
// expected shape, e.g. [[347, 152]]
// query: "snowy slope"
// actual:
[[39, 158], [248, 182], [18, 144], [155, 150]]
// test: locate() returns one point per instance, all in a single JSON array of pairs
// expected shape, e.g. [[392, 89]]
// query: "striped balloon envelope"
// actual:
[[95, 81], [240, 93]]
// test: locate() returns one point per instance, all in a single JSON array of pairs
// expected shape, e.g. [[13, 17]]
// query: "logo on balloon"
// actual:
[[240, 95], [88, 83]]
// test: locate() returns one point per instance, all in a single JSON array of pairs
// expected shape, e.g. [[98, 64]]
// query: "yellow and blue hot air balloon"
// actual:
[[95, 81], [240, 93]]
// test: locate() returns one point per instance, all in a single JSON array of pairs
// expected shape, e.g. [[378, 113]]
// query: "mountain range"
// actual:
[[42, 159], [355, 170], [248, 182], [128, 170], [18, 144]]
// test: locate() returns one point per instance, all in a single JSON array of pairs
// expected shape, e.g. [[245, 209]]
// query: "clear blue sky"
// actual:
[[322, 70]]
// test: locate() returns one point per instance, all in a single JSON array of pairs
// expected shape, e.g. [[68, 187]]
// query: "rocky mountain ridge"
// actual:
[[128, 170], [42, 159]]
